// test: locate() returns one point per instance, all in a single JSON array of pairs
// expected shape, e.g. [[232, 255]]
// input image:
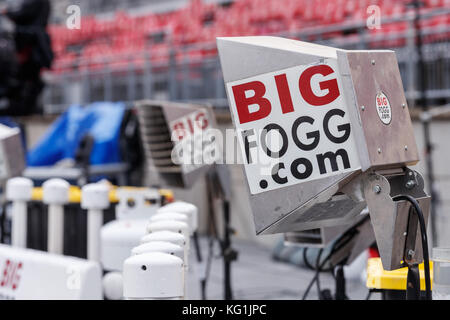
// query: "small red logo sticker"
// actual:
[[383, 108], [10, 277]]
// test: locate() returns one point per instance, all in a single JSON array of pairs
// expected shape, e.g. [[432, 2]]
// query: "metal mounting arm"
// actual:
[[395, 228]]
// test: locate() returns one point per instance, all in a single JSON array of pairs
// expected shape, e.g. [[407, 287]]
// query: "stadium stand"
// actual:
[[186, 36], [200, 23]]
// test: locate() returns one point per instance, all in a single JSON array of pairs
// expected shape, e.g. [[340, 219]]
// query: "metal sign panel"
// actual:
[[389, 137], [331, 114], [293, 126], [188, 133], [174, 137], [324, 133]]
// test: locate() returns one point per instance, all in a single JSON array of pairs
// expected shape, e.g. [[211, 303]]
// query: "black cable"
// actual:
[[212, 237], [423, 234], [319, 294], [305, 259], [204, 281], [369, 294], [336, 246], [310, 266], [343, 240], [332, 273]]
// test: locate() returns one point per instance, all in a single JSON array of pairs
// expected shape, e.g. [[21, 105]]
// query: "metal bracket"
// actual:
[[396, 230]]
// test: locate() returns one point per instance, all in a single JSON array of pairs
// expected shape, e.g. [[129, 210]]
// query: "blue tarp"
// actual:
[[102, 120]]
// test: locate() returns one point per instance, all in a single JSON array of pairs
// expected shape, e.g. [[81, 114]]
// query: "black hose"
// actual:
[[343, 240], [336, 246], [204, 281], [305, 259], [423, 234], [319, 293]]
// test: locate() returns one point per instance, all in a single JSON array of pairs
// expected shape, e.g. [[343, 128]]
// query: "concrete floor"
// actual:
[[257, 276]]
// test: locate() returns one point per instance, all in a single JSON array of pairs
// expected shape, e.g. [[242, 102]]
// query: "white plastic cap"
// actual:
[[175, 216], [55, 191], [169, 225], [19, 189], [113, 285], [167, 236], [95, 196], [153, 275], [183, 207], [159, 246]]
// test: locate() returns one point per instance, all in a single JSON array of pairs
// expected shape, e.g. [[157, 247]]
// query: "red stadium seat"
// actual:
[[127, 39]]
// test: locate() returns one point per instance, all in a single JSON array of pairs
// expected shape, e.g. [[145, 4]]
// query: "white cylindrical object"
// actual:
[[55, 241], [183, 207], [153, 275], [169, 215], [113, 286], [168, 236], [19, 191], [19, 224], [165, 247], [170, 225], [159, 246], [94, 198], [55, 195], [94, 226]]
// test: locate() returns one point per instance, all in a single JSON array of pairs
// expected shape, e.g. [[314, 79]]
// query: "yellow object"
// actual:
[[75, 194], [378, 278], [168, 194]]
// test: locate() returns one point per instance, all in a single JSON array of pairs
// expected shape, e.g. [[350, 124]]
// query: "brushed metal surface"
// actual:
[[390, 219], [373, 72]]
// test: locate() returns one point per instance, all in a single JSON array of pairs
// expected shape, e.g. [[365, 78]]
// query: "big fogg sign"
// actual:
[[292, 126]]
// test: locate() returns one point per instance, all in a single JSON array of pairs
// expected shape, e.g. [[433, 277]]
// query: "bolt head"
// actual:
[[363, 108], [410, 184], [373, 62], [379, 150], [403, 105], [411, 253], [377, 189], [406, 148]]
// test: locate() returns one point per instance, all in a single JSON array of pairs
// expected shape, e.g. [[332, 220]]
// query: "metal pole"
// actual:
[[228, 254], [55, 240], [423, 102], [148, 84], [19, 224], [95, 222], [172, 75], [186, 74]]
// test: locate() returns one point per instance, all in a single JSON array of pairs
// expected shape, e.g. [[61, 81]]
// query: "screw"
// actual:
[[410, 184], [377, 189], [403, 105], [406, 148], [411, 253], [373, 62], [405, 233], [363, 108], [379, 150]]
